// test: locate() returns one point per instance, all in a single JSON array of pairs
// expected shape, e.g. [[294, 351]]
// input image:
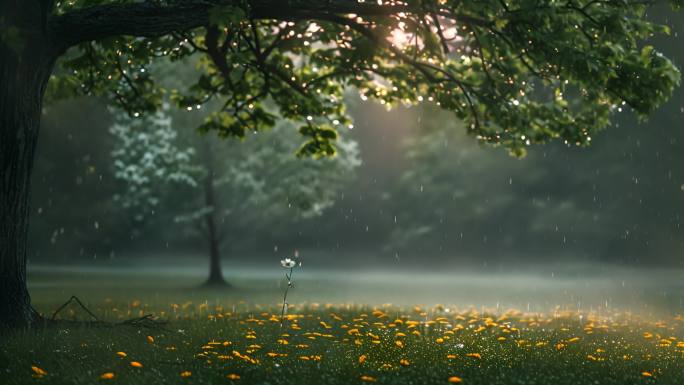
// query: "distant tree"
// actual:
[[518, 72], [243, 183]]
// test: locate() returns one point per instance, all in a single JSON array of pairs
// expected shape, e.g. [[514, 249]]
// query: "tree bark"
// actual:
[[213, 238], [26, 61]]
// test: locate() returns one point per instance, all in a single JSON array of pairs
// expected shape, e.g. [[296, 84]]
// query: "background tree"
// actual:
[[245, 184], [518, 73]]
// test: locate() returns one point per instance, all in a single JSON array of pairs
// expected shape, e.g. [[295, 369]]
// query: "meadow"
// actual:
[[215, 337]]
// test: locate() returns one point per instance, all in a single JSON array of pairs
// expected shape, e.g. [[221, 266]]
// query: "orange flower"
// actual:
[[399, 343], [107, 376], [186, 374], [474, 355], [150, 339], [647, 374], [439, 340], [455, 380], [233, 376], [136, 364], [368, 378], [362, 358], [404, 362], [121, 354]]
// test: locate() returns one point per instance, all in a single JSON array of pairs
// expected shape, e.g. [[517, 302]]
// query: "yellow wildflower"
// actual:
[[38, 371]]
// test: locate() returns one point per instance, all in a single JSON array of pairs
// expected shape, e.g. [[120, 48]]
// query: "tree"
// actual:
[[517, 72], [242, 184]]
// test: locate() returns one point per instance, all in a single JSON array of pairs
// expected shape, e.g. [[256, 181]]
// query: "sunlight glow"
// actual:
[[399, 38]]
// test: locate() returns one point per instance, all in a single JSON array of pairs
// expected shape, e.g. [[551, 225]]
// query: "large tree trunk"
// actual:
[[25, 65], [213, 238]]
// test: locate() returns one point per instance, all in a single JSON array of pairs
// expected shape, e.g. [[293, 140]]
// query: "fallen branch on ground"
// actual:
[[149, 321]]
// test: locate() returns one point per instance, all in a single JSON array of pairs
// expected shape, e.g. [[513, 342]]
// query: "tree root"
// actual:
[[148, 321]]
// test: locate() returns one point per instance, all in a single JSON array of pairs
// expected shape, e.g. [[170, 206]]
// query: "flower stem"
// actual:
[[289, 285]]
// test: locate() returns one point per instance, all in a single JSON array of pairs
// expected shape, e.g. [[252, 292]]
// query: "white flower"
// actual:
[[288, 263]]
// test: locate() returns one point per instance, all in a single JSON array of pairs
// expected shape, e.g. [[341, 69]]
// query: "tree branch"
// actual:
[[132, 19], [149, 19]]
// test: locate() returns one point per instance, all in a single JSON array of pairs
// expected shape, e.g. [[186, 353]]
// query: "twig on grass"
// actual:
[[148, 321]]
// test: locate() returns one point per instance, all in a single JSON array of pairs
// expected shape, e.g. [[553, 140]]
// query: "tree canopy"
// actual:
[[517, 72]]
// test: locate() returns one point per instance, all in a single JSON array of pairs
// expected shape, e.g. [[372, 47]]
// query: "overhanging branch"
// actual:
[[148, 19]]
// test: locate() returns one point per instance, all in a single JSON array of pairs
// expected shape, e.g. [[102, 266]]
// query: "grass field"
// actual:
[[217, 338]]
